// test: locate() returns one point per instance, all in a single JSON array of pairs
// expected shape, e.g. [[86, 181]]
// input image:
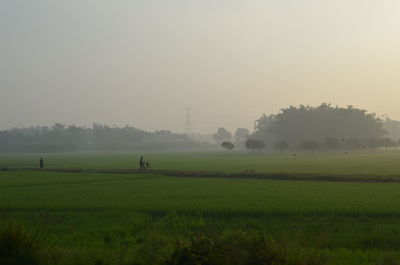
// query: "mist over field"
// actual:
[[303, 128], [142, 63], [209, 132]]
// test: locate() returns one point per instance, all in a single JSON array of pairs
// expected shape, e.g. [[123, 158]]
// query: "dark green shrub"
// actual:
[[252, 248], [199, 250], [241, 248], [19, 247]]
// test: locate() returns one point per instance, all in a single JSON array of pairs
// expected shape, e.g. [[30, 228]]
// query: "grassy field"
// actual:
[[97, 217], [372, 163]]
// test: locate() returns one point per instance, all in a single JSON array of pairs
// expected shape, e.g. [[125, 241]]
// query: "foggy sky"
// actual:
[[143, 62]]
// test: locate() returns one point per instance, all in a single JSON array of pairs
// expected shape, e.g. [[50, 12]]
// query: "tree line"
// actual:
[[99, 137], [324, 127]]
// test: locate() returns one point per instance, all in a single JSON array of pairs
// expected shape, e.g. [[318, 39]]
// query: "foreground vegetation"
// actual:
[[97, 218]]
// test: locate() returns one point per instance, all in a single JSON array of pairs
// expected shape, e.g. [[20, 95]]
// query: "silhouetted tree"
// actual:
[[281, 146], [332, 143], [254, 144], [241, 135], [377, 143], [228, 145], [222, 134], [62, 138], [310, 145], [294, 124], [387, 142], [392, 127], [353, 143]]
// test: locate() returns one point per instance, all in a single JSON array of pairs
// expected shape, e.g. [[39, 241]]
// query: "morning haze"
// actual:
[[143, 62], [207, 132]]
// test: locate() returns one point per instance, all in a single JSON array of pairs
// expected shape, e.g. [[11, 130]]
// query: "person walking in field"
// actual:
[[141, 163], [41, 163]]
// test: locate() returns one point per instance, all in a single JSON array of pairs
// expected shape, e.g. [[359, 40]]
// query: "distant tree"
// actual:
[[241, 135], [99, 137], [353, 143], [372, 143], [254, 144], [332, 143], [281, 146], [294, 124], [228, 145], [310, 145], [377, 143], [263, 130], [387, 142], [392, 127], [222, 134]]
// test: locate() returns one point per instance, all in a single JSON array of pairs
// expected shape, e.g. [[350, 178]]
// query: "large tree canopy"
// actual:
[[296, 124]]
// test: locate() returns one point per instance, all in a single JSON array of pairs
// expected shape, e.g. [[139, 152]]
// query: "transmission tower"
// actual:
[[188, 121]]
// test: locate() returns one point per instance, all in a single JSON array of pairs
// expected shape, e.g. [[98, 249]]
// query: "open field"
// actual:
[[102, 215], [370, 163]]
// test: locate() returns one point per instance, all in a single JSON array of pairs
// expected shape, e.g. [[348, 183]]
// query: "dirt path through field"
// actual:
[[243, 175]]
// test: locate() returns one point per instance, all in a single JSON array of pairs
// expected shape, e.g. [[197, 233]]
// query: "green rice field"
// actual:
[[375, 163], [111, 218]]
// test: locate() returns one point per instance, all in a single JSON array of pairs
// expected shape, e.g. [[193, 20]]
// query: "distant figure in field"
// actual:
[[147, 165], [141, 163], [41, 163]]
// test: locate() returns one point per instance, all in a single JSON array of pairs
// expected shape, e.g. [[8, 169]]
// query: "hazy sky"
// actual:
[[143, 62]]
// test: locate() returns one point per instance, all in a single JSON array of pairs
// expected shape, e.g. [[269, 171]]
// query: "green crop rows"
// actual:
[[103, 214]]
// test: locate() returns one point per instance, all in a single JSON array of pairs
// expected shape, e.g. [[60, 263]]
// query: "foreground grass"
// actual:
[[156, 194], [142, 216]]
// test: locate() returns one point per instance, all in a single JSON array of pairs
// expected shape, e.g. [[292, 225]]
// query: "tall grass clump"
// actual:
[[234, 248], [18, 246]]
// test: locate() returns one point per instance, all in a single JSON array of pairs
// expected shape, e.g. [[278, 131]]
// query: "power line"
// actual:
[[188, 120]]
